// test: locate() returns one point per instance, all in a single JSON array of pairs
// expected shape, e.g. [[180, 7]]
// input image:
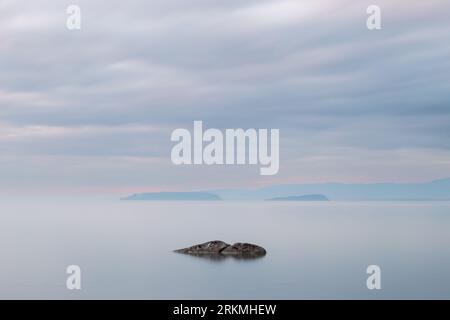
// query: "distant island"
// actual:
[[306, 197], [429, 191], [437, 190], [170, 196]]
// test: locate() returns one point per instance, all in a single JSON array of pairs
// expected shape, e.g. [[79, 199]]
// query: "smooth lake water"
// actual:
[[315, 250]]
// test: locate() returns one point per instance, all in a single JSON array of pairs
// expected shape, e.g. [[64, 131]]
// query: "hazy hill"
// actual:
[[434, 190], [167, 196], [306, 197]]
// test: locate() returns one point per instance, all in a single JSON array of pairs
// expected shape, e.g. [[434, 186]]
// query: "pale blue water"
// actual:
[[315, 250]]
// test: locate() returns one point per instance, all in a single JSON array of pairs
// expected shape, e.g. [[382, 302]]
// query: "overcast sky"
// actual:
[[92, 110]]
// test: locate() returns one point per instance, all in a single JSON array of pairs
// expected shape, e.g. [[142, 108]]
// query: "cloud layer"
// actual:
[[94, 108]]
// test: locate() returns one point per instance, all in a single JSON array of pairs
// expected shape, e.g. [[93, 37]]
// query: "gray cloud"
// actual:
[[310, 68]]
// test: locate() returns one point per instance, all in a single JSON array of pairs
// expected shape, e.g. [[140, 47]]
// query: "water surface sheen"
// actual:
[[314, 250]]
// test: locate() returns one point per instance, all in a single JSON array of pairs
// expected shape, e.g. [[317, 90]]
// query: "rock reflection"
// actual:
[[217, 257]]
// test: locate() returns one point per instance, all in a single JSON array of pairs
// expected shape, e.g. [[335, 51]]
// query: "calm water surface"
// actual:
[[315, 250]]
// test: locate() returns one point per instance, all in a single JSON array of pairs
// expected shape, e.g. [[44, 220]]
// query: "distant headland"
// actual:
[[306, 197], [437, 190], [171, 196]]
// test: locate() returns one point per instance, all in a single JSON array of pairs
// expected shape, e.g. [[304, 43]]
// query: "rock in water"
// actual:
[[221, 248], [244, 249], [210, 247]]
